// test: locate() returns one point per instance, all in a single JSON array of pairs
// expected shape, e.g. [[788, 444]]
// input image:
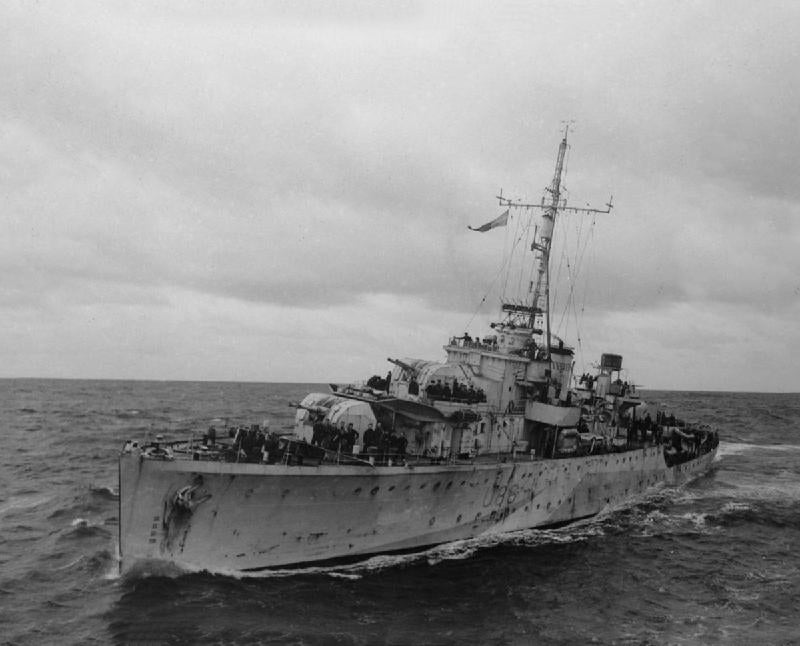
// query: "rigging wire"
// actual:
[[507, 237], [592, 263], [580, 261], [531, 271], [573, 270], [509, 272], [522, 263], [504, 265]]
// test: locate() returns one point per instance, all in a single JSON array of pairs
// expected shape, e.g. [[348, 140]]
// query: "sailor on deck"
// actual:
[[369, 437]]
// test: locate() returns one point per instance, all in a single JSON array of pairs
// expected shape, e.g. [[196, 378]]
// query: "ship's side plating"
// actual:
[[235, 517]]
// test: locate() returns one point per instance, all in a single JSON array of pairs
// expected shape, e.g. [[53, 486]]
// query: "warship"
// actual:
[[498, 437]]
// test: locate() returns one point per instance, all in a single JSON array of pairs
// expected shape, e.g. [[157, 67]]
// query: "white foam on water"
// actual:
[[775, 491], [734, 448], [112, 574], [85, 522], [786, 448], [71, 563], [24, 501], [654, 517], [697, 518], [344, 575], [734, 506], [737, 448], [100, 489], [453, 551], [156, 568], [658, 523]]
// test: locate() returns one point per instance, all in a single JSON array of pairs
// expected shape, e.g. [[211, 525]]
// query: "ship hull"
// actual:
[[247, 517]]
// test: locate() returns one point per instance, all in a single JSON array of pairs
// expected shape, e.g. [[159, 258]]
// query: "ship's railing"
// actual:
[[488, 343], [469, 398], [681, 442]]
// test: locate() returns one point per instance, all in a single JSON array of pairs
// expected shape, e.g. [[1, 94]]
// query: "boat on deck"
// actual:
[[498, 436]]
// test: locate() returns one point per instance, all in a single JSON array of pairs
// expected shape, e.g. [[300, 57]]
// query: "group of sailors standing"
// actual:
[[339, 438], [377, 440], [455, 392], [254, 444], [640, 429], [344, 439], [681, 441], [435, 390]]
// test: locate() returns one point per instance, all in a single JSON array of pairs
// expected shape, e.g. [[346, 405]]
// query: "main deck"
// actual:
[[222, 516]]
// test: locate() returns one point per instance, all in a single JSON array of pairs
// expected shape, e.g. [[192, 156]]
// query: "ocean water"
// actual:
[[714, 562]]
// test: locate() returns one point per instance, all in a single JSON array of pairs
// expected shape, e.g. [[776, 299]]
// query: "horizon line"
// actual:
[[333, 381]]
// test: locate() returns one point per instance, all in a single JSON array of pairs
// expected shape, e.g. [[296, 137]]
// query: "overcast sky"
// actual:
[[280, 191]]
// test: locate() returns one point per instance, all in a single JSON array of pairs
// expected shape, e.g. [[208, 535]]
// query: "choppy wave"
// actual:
[[726, 449], [107, 493], [84, 528], [790, 448], [25, 501], [710, 562]]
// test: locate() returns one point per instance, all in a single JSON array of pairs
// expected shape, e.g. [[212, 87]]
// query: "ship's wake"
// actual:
[[728, 449]]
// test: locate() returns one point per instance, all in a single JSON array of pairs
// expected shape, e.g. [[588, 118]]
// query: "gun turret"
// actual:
[[318, 410], [402, 364]]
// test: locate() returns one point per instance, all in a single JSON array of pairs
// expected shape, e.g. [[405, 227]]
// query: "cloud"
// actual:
[[297, 158]]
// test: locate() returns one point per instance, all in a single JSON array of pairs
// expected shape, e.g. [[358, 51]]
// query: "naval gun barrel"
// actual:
[[319, 410], [403, 365]]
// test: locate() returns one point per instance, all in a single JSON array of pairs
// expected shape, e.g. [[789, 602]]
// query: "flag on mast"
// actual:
[[499, 221]]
